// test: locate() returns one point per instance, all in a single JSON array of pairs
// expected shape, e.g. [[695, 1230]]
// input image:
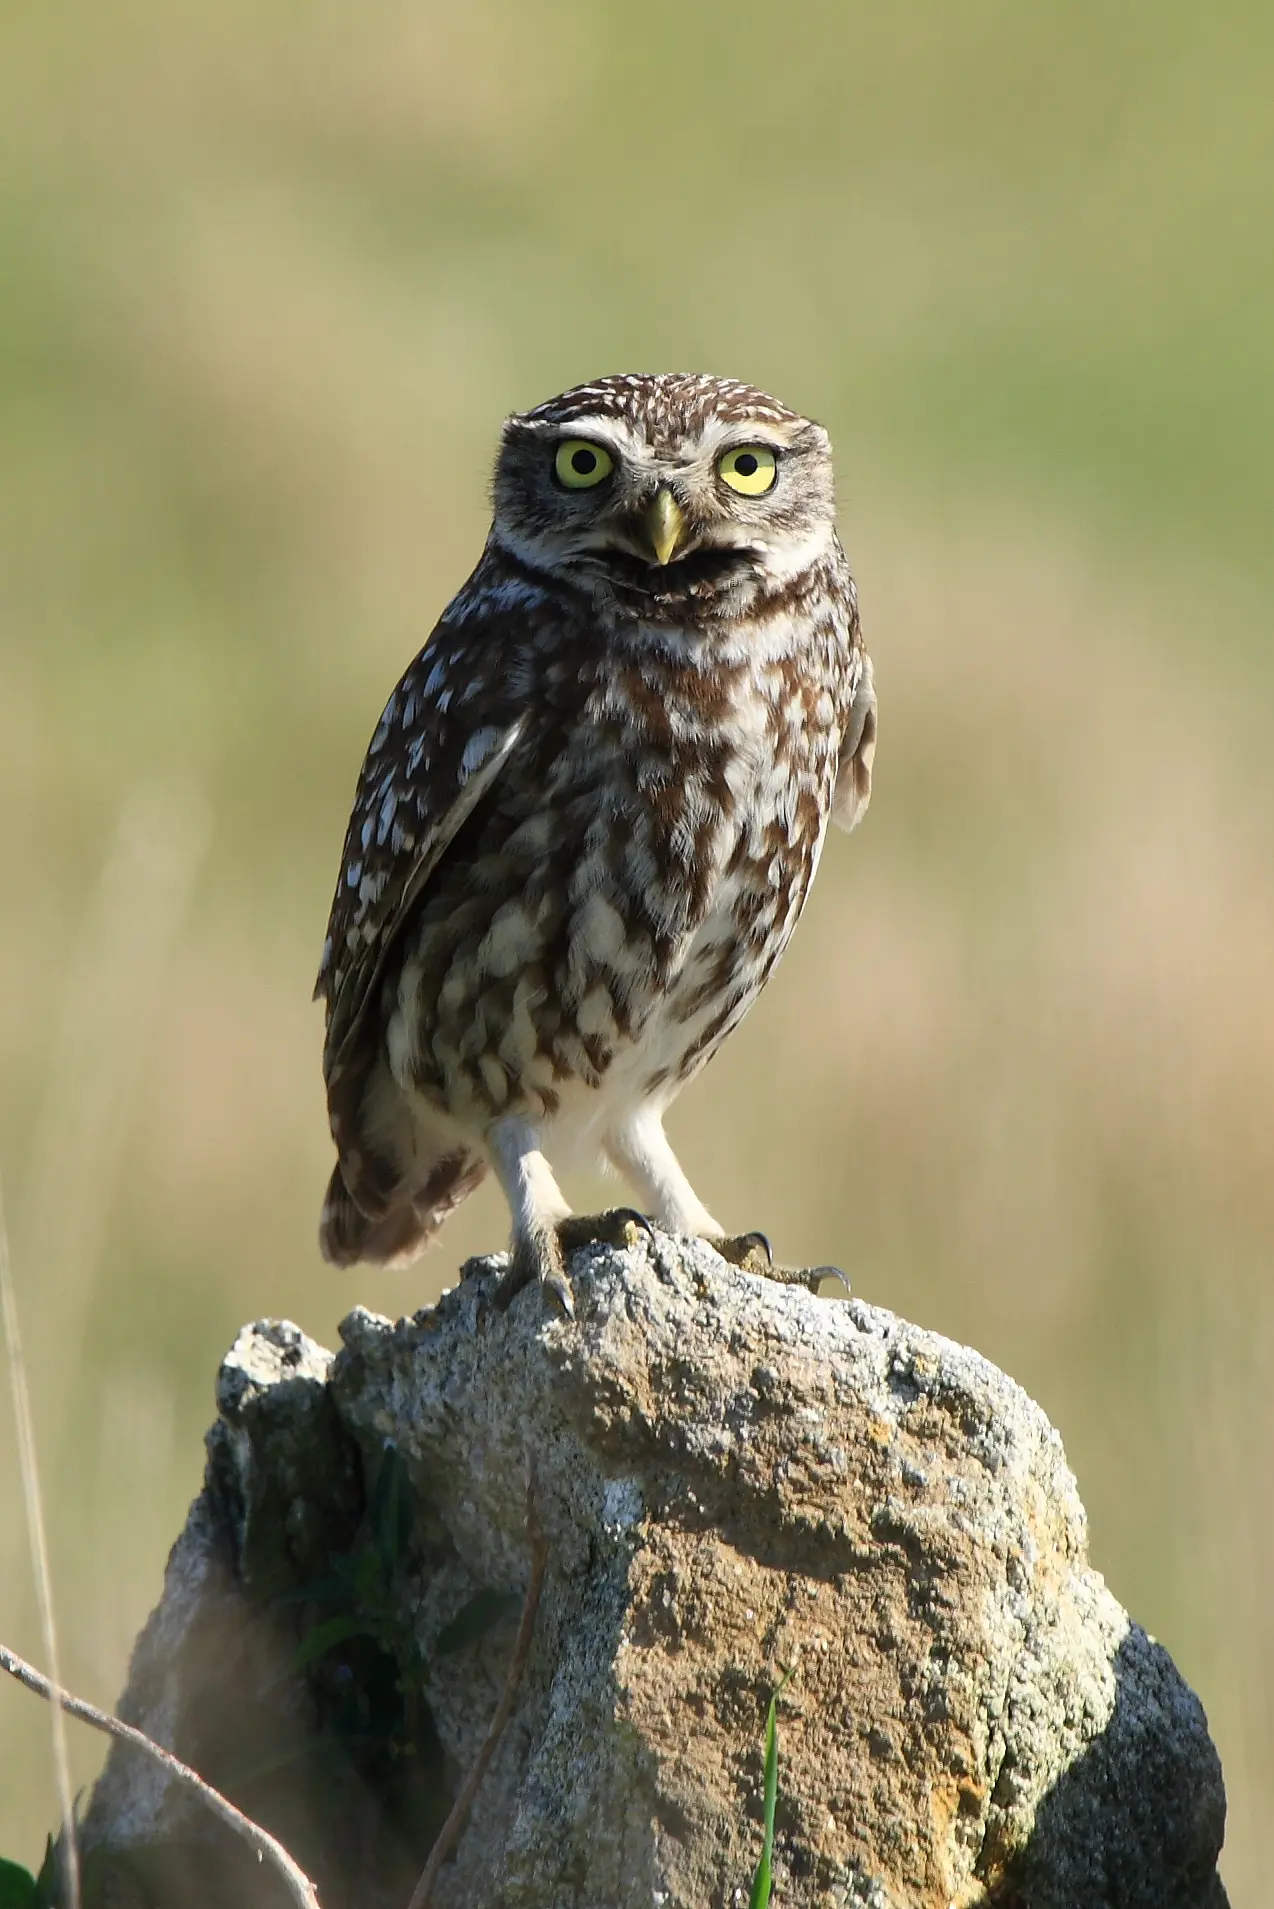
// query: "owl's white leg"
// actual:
[[536, 1203], [639, 1147]]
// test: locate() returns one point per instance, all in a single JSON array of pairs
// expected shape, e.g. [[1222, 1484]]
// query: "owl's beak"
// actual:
[[665, 525]]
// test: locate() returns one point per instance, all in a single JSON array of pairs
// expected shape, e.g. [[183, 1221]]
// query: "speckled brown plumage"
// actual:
[[591, 812]]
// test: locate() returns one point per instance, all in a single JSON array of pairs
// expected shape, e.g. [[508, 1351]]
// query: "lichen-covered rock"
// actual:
[[737, 1481]]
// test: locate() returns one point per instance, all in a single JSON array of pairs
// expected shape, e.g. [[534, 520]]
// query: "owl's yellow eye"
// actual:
[[579, 465], [749, 468]]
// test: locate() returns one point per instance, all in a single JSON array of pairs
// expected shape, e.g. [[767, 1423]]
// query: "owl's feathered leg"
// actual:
[[639, 1147], [538, 1208]]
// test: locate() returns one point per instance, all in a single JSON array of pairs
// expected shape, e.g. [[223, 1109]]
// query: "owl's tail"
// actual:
[[397, 1236]]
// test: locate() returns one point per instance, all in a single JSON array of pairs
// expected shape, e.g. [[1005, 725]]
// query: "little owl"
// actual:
[[590, 814]]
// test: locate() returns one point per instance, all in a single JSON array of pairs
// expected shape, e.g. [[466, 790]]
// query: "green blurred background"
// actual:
[[270, 276]]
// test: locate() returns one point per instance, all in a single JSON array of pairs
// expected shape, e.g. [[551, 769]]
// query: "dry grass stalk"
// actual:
[[299, 1886], [37, 1537], [141, 904]]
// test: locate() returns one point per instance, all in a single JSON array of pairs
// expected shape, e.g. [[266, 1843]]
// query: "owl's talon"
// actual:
[[748, 1251], [537, 1260], [557, 1288], [751, 1253]]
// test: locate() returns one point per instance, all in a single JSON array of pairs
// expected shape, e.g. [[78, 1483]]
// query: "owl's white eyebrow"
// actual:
[[612, 432], [723, 434], [717, 435]]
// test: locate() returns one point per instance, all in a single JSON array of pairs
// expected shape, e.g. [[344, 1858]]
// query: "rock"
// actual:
[[737, 1481]]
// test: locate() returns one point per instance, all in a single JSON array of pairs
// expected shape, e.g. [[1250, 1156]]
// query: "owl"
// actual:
[[590, 815]]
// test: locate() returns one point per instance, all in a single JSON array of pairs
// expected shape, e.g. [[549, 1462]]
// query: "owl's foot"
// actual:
[[751, 1253], [537, 1258], [542, 1255], [618, 1226]]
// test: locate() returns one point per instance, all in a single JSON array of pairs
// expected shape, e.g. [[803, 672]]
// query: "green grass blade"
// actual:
[[762, 1882]]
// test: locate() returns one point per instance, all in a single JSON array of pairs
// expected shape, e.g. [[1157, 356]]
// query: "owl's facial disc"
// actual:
[[657, 494]]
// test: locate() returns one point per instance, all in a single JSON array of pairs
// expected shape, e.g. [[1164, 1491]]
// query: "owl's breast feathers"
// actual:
[[569, 838]]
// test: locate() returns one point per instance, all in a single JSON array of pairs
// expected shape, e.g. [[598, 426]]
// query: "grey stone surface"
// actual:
[[736, 1480]]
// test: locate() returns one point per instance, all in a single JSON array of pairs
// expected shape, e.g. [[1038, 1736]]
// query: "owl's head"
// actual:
[[665, 483]]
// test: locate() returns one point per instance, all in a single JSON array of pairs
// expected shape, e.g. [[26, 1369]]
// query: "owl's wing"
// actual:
[[857, 750], [430, 762]]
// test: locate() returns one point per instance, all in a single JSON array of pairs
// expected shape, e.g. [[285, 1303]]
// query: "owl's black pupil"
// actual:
[[583, 461], [745, 464]]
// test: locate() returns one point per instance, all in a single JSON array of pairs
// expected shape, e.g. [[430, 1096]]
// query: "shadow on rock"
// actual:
[[1137, 1820]]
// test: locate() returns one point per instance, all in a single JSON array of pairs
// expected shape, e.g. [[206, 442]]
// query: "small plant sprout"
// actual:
[[763, 1882]]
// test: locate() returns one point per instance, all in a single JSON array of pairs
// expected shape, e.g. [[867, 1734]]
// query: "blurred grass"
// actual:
[[269, 278]]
